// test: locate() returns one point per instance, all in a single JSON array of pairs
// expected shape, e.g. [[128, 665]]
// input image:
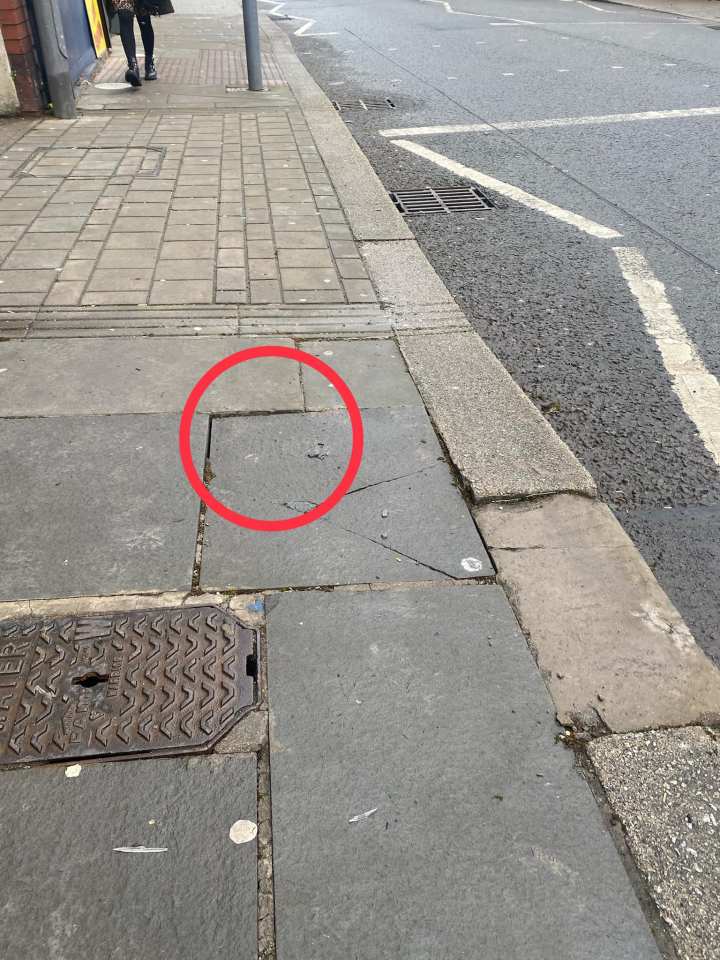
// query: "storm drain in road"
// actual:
[[143, 682], [441, 200], [364, 103]]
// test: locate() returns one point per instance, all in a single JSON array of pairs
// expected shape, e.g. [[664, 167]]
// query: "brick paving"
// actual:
[[173, 210], [214, 67]]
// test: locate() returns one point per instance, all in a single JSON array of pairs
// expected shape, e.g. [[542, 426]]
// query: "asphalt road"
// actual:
[[551, 299]]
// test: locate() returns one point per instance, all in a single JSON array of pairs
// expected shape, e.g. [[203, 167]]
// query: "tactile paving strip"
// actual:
[[143, 682]]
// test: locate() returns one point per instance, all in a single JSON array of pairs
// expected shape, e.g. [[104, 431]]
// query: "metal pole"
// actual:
[[252, 44], [55, 58]]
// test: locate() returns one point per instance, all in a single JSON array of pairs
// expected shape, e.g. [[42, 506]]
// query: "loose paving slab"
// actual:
[[82, 885], [373, 369], [665, 787], [105, 508], [421, 806], [403, 519]]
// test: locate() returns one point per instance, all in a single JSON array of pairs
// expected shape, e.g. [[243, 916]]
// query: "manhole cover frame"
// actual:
[[428, 200], [80, 633]]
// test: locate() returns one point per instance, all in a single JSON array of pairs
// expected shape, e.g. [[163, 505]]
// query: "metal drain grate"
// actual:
[[136, 683], [441, 200], [364, 103]]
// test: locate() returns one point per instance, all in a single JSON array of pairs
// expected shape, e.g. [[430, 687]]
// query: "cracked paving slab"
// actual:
[[403, 520]]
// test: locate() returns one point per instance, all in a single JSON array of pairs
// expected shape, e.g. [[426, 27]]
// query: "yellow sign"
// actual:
[[96, 27]]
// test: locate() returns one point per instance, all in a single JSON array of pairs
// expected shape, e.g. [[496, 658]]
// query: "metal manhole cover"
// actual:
[[82, 163], [441, 200], [152, 681], [364, 103]]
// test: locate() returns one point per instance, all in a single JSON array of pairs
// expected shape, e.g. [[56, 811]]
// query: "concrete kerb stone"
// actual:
[[370, 212], [664, 785], [498, 440], [404, 277], [614, 651]]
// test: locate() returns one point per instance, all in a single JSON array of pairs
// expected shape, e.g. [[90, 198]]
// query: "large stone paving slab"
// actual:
[[373, 369], [140, 375], [71, 891], [421, 806], [95, 505], [403, 520]]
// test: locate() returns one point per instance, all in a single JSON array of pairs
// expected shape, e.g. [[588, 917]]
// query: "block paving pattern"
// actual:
[[207, 67], [173, 210]]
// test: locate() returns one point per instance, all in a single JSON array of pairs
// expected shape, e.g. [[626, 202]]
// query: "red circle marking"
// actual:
[[241, 519]]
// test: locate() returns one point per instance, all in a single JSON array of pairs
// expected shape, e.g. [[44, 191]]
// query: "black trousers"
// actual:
[[127, 34]]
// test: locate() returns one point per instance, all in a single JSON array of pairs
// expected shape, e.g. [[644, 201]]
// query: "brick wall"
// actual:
[[17, 33]]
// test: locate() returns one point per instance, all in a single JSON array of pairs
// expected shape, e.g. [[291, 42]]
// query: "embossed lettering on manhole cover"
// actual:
[[149, 681]]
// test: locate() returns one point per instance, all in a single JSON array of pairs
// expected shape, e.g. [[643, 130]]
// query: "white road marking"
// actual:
[[302, 31], [508, 190], [552, 122], [447, 6], [697, 389], [590, 6]]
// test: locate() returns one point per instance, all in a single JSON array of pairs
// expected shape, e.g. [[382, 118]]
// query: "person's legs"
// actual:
[[148, 38], [127, 36]]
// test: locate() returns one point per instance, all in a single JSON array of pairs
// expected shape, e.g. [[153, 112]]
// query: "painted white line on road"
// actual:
[[591, 7], [697, 389], [510, 191], [447, 6], [302, 31], [553, 122]]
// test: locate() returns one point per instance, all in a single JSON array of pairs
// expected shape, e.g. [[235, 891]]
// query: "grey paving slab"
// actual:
[[95, 505], [73, 893], [373, 369], [423, 711], [665, 787], [403, 520], [140, 375]]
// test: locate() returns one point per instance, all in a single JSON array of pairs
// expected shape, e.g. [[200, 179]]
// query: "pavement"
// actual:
[[420, 726], [701, 9]]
